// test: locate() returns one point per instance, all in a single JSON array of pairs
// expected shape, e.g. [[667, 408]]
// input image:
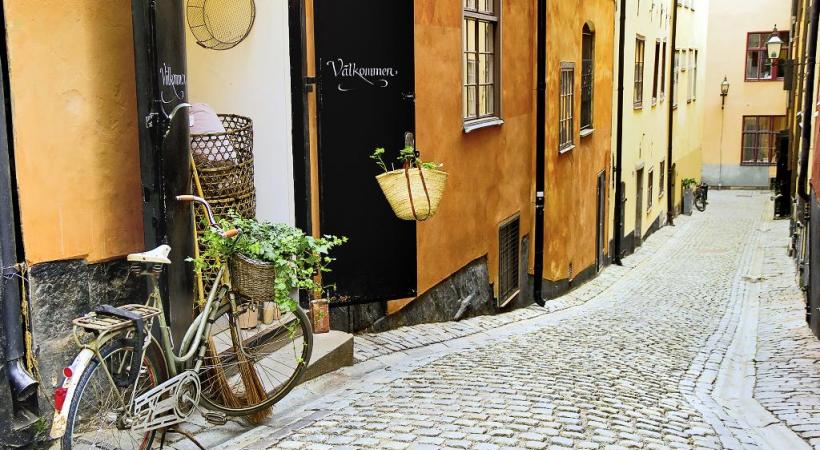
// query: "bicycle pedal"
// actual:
[[215, 418]]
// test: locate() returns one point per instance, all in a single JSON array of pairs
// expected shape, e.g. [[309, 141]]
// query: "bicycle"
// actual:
[[127, 382], [701, 196]]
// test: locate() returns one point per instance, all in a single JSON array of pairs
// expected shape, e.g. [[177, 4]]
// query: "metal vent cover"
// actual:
[[509, 255]]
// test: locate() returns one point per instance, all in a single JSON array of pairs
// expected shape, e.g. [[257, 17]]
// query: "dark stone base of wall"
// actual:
[[467, 293], [555, 289], [61, 291]]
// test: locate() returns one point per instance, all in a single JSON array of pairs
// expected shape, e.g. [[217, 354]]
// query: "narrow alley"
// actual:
[[697, 342]]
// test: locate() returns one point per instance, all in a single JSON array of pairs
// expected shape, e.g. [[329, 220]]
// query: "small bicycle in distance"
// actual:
[[701, 196], [128, 382]]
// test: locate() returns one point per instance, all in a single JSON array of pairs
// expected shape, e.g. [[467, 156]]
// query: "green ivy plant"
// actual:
[[408, 155], [688, 182], [298, 258]]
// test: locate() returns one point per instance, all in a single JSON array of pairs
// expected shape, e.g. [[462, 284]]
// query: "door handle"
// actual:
[[408, 96]]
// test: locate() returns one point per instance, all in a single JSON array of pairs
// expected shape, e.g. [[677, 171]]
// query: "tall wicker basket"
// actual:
[[223, 171]]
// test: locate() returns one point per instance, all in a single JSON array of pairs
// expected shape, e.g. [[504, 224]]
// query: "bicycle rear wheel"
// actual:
[[97, 419], [245, 371]]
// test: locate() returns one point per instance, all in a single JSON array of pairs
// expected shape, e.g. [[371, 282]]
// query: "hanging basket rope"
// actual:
[[220, 24]]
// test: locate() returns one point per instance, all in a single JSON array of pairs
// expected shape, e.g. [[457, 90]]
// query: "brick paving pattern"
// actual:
[[659, 354]]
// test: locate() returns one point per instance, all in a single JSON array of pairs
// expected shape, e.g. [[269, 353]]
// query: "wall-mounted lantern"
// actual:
[[724, 91], [774, 45]]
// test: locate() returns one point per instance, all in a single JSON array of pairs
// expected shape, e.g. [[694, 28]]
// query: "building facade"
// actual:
[[740, 129]]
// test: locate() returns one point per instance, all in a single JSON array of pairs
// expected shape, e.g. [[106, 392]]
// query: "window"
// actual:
[[663, 72], [689, 81], [695, 75], [656, 75], [758, 64], [675, 78], [649, 196], [639, 58], [566, 123], [661, 176], [587, 77], [481, 90], [760, 139]]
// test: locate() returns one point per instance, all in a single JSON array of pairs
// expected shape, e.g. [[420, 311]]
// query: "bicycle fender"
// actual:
[[78, 367]]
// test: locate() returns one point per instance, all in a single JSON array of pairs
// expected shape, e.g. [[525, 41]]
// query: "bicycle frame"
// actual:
[[192, 348]]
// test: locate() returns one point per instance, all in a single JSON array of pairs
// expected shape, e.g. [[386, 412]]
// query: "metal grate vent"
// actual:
[[508, 260]]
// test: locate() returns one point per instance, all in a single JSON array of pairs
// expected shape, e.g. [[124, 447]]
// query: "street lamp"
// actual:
[[724, 91], [774, 45]]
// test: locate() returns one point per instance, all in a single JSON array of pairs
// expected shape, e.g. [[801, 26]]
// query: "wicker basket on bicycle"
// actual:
[[252, 279], [224, 168]]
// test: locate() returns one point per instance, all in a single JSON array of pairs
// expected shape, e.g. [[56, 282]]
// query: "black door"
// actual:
[[159, 48], [364, 57]]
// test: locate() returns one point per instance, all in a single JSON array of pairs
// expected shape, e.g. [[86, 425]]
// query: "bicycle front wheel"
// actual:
[[249, 368], [98, 418]]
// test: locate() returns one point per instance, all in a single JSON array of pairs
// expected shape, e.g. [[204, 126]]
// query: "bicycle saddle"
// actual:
[[158, 255]]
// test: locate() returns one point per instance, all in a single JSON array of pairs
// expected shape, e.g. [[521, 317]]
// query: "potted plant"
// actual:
[[688, 195], [415, 190], [268, 261]]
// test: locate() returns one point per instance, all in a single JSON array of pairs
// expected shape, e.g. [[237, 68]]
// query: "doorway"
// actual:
[[638, 206], [365, 88], [601, 217]]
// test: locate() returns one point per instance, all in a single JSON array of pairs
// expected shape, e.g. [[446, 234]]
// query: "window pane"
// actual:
[[764, 123], [779, 123], [487, 37], [750, 123], [752, 64], [469, 4], [471, 101], [485, 6], [754, 40], [471, 68], [486, 99], [471, 30]]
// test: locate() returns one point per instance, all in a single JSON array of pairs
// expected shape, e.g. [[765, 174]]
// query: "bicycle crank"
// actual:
[[170, 403]]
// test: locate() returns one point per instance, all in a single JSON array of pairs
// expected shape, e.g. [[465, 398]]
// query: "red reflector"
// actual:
[[59, 397], [67, 372]]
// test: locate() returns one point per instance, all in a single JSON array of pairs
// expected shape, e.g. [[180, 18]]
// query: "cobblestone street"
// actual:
[[698, 341]]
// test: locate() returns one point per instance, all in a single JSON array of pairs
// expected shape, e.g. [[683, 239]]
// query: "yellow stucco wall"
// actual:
[[688, 141], [728, 29], [491, 168], [571, 177], [646, 128], [74, 110]]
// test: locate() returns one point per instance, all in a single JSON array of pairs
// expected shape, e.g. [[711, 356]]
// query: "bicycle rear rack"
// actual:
[[95, 323]]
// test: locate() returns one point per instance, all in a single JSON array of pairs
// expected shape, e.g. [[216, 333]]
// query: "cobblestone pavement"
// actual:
[[662, 355]]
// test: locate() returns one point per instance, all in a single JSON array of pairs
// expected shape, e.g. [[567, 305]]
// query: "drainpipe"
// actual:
[[540, 150], [619, 141], [808, 105], [670, 172], [22, 382]]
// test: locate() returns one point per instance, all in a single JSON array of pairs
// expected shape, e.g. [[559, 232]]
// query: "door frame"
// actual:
[[638, 233]]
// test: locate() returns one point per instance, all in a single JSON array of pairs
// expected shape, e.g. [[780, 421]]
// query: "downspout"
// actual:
[[808, 105], [540, 150], [670, 171], [619, 141], [22, 383]]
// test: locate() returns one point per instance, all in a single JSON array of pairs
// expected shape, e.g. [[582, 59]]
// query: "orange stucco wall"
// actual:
[[571, 177], [490, 169], [75, 139]]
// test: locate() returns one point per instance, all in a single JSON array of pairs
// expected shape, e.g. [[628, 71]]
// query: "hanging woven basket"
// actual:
[[220, 24], [413, 193]]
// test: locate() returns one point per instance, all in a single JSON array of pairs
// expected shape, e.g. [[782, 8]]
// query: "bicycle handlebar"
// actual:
[[211, 220]]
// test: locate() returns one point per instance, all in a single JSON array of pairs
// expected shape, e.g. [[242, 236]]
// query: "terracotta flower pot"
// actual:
[[320, 315]]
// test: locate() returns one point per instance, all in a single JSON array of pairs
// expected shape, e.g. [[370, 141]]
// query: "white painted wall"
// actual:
[[253, 80]]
